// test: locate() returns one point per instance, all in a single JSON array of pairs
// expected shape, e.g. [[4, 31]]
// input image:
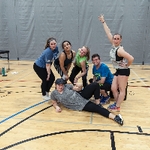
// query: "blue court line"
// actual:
[[22, 111]]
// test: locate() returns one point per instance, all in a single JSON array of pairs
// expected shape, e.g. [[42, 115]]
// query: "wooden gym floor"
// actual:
[[28, 122]]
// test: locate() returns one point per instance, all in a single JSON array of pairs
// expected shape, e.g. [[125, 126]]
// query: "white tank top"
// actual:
[[113, 56]]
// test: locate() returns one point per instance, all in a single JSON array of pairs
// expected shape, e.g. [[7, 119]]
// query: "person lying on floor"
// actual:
[[69, 97]]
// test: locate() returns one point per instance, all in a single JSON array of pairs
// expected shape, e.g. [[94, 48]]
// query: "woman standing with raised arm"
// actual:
[[121, 61], [63, 63], [42, 66]]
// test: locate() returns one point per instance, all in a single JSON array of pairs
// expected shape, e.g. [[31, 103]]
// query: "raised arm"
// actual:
[[106, 28]]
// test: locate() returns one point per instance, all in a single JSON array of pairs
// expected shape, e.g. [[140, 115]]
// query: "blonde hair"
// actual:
[[88, 53]]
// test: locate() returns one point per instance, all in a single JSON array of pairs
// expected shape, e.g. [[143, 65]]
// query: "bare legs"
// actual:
[[119, 82]]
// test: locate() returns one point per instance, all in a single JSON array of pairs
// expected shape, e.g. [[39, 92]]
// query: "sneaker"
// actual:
[[119, 119], [113, 108], [47, 94], [105, 100], [45, 97]]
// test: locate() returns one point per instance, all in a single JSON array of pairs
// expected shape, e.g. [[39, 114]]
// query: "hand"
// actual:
[[74, 64], [58, 109], [66, 77], [123, 64], [77, 87], [101, 18], [75, 80]]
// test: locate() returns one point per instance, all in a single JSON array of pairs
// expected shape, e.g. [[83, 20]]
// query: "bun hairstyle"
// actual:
[[48, 41]]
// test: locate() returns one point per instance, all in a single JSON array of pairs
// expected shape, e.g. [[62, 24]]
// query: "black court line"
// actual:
[[112, 137], [75, 131], [144, 86], [24, 120]]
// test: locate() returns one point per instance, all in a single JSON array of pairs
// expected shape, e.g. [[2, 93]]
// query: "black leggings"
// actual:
[[75, 71], [42, 73], [92, 107], [90, 90], [87, 92]]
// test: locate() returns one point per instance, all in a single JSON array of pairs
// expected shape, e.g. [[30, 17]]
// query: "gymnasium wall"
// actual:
[[25, 25]]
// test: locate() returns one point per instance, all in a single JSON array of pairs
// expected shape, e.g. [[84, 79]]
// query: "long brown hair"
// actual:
[[48, 41], [88, 53]]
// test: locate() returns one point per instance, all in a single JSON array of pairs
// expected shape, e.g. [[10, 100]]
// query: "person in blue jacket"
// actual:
[[42, 66]]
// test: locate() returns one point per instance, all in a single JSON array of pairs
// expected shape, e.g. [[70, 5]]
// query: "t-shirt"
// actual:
[[47, 57], [103, 71], [79, 59], [69, 98]]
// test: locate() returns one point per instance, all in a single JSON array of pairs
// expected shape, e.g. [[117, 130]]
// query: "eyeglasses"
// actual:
[[116, 38]]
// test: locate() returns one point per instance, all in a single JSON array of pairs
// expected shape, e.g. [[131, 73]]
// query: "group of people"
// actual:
[[74, 96], [62, 63]]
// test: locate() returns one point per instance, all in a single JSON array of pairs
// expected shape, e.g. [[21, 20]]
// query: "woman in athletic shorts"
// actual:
[[121, 61]]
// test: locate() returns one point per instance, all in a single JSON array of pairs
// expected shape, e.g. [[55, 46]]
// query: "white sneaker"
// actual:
[[47, 94], [45, 97]]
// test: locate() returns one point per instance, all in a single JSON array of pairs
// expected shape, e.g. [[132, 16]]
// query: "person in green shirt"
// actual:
[[80, 65]]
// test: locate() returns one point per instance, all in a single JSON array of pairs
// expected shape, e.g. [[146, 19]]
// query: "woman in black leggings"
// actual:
[[67, 95], [42, 66]]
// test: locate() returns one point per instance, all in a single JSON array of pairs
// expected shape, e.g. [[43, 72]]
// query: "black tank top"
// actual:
[[117, 57], [67, 61]]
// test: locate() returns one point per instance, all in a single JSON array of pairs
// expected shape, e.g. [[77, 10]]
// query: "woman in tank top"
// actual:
[[121, 61], [63, 63]]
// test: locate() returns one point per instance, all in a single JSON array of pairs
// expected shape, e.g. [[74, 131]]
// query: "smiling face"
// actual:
[[83, 51], [117, 40], [60, 87], [96, 61]]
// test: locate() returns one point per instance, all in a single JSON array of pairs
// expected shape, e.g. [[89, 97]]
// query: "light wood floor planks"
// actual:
[[28, 122]]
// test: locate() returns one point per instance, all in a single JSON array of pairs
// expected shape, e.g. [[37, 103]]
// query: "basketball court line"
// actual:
[[77, 131], [4, 120], [139, 78], [81, 123]]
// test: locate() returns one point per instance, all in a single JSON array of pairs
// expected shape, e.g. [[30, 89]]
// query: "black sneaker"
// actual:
[[119, 119]]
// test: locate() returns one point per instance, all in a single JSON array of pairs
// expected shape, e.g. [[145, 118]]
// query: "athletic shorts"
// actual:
[[122, 72]]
